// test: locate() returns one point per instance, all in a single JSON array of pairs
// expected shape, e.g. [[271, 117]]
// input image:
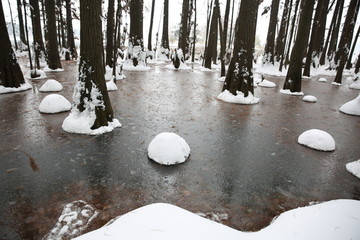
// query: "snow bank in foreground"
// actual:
[[352, 107], [111, 86], [227, 96], [336, 84], [23, 87], [333, 220], [310, 98], [54, 103], [74, 219], [288, 92], [266, 83], [354, 168], [41, 74], [168, 149], [317, 139], [51, 85]]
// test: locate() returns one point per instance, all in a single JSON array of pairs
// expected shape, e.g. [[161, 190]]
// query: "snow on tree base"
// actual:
[[354, 168], [168, 149], [288, 92], [111, 86], [51, 85], [54, 103], [317, 139], [41, 74], [182, 66], [47, 69], [227, 96], [141, 67], [336, 84], [352, 107], [23, 87]]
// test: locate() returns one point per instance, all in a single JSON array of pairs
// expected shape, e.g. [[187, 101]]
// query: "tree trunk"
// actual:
[[344, 45], [222, 42], [239, 76], [231, 24], [194, 39], [21, 22], [349, 63], [151, 25], [357, 65], [136, 32], [183, 44], [70, 33], [317, 36], [10, 72], [335, 33], [53, 60], [37, 34], [91, 69], [212, 39], [293, 77], [270, 39], [61, 25], [110, 33], [28, 40], [281, 38]]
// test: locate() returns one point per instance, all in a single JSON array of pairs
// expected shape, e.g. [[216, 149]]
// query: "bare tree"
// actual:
[[270, 39], [53, 59]]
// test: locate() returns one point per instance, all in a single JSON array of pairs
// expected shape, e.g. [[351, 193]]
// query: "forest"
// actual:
[[240, 111]]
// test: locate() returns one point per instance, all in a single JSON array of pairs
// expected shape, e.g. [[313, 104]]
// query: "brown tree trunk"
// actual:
[[270, 39], [165, 30], [10, 72], [293, 77], [335, 33], [183, 44], [194, 34], [151, 25], [136, 29], [281, 38], [212, 39], [110, 33], [53, 60], [70, 33], [21, 22], [349, 63], [13, 27], [37, 34]]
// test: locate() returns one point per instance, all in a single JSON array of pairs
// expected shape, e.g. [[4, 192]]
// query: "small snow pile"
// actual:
[[39, 72], [168, 149], [227, 96], [322, 79], [352, 107], [23, 87], [74, 219], [51, 85], [47, 69], [109, 73], [336, 84], [54, 103], [288, 92], [310, 98], [266, 83], [111, 86], [333, 220], [355, 84], [222, 79], [317, 139], [354, 168], [182, 66]]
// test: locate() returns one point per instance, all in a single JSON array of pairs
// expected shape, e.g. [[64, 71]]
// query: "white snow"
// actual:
[[257, 78], [41, 72], [352, 107], [266, 83], [322, 79], [354, 168], [336, 84], [222, 79], [288, 92], [51, 85], [119, 74], [23, 87], [141, 67], [333, 220], [168, 149], [227, 96], [355, 84], [317, 139], [47, 69], [310, 98], [54, 103], [182, 66], [111, 86]]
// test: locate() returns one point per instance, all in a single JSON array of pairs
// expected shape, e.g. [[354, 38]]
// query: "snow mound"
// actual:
[[354, 168], [336, 84], [141, 67], [352, 107], [47, 69], [227, 96], [23, 87], [288, 92], [310, 98], [182, 66], [54, 103], [42, 74], [168, 149], [111, 86], [108, 73], [51, 85], [355, 85], [266, 83], [337, 219], [322, 79], [257, 78], [74, 219], [317, 139]]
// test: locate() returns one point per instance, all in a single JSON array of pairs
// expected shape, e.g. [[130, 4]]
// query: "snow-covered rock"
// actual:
[[23, 87], [352, 107], [333, 220], [322, 79], [54, 103], [354, 168], [51, 85], [168, 149], [266, 83], [310, 98], [227, 96], [288, 92], [111, 86], [317, 139]]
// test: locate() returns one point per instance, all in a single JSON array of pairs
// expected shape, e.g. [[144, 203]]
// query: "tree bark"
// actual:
[[194, 38], [70, 32], [165, 30], [212, 39], [183, 43], [37, 34], [136, 31], [335, 33], [10, 72], [293, 77], [53, 59], [13, 27], [349, 63], [110, 33], [151, 25], [21, 22], [281, 38], [270, 39]]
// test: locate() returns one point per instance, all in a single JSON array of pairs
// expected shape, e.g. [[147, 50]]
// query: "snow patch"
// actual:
[[352, 107], [354, 168], [23, 87], [317, 139], [222, 79], [47, 69], [227, 96], [322, 79], [51, 85], [336, 84], [288, 92], [119, 74], [266, 83], [54, 103], [310, 98], [42, 74], [111, 86], [355, 85], [182, 66]]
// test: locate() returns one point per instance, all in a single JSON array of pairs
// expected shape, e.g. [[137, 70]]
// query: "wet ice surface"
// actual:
[[245, 160]]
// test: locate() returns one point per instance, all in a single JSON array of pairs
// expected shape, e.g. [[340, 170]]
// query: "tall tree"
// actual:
[[13, 27], [194, 33], [136, 39], [240, 76], [70, 32], [183, 43], [37, 33], [270, 39], [346, 36], [349, 63], [281, 38], [293, 77], [317, 36], [335, 33], [110, 33], [53, 59], [10, 72], [210, 48], [21, 22], [151, 25], [165, 31]]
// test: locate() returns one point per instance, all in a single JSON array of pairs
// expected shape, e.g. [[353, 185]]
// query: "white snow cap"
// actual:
[[354, 168], [310, 98], [317, 139], [266, 83], [51, 85], [168, 149], [227, 96], [322, 79], [352, 107], [288, 92], [54, 103]]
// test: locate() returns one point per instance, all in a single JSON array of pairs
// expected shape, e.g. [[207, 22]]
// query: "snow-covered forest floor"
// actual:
[[245, 159]]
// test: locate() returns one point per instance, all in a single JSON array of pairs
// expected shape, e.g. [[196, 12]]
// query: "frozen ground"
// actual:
[[245, 160]]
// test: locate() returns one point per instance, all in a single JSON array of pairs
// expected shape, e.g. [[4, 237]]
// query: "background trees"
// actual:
[[53, 59]]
